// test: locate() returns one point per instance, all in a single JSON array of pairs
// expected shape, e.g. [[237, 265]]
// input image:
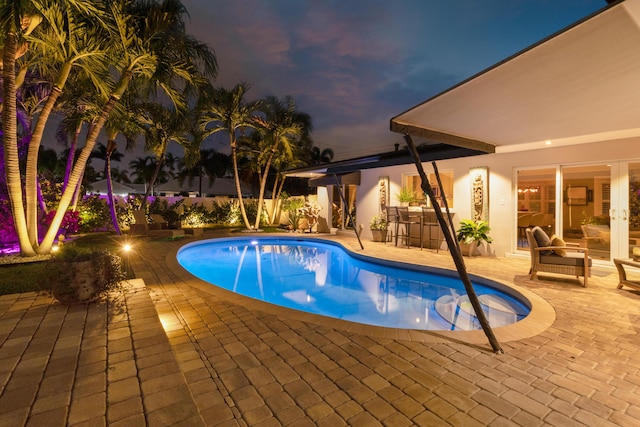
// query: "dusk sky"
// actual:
[[354, 64]]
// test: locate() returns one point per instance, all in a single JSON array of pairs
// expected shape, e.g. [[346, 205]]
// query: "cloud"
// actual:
[[352, 65]]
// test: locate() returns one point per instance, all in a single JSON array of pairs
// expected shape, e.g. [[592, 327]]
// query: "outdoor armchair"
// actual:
[[555, 256]]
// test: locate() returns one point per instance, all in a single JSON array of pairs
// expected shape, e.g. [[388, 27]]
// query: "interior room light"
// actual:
[[528, 189]]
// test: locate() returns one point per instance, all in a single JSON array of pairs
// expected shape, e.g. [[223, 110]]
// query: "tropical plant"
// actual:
[[230, 113], [292, 206], [378, 222], [406, 196], [473, 232], [278, 129], [94, 213], [196, 215], [162, 125]]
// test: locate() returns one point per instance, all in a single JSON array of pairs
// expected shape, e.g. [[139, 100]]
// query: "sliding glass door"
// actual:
[[536, 202], [586, 208], [596, 206]]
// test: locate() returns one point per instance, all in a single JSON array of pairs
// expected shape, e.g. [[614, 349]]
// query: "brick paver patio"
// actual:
[[172, 351]]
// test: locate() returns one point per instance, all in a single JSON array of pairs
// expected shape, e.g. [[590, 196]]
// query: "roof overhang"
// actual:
[[351, 178], [578, 86], [428, 152]]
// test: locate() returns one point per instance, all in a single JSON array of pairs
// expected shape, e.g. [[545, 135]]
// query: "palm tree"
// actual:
[[142, 168], [232, 114], [80, 105], [67, 38], [145, 38], [120, 176], [138, 41], [281, 129], [162, 126], [319, 157], [280, 164]]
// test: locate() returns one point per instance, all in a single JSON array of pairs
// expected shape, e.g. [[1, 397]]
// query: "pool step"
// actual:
[[458, 311]]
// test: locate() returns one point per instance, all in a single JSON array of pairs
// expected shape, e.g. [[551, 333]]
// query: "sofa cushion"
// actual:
[[557, 241], [571, 258], [542, 240]]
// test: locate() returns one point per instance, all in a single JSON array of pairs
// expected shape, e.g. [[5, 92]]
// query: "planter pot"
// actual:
[[194, 231], [379, 235], [469, 249], [85, 281], [79, 282]]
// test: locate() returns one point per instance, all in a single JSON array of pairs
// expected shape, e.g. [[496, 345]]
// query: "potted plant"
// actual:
[[378, 226], [292, 206], [406, 196], [471, 233], [84, 275], [311, 212]]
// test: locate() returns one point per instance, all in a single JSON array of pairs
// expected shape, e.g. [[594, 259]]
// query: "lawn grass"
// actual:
[[25, 277]]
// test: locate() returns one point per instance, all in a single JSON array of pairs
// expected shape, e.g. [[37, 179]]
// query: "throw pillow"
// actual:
[[542, 240], [557, 241]]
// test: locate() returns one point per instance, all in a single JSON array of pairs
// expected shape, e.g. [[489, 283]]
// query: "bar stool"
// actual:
[[407, 219], [429, 220], [392, 218]]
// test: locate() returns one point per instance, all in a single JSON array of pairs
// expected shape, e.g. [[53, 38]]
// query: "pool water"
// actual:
[[321, 277]]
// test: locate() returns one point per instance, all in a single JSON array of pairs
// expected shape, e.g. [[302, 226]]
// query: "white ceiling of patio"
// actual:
[[578, 86]]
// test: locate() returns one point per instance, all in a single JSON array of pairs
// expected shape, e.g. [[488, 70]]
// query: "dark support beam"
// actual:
[[344, 203], [447, 138], [454, 249]]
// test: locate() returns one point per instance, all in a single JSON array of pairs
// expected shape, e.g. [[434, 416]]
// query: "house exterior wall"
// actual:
[[502, 213]]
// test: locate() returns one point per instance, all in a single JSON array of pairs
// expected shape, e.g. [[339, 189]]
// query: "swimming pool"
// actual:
[[321, 277]]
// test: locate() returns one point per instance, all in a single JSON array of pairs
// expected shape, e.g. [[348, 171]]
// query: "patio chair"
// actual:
[[158, 228], [158, 222], [596, 236], [556, 256], [140, 227]]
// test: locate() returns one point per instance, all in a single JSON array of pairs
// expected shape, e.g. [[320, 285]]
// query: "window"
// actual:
[[412, 183]]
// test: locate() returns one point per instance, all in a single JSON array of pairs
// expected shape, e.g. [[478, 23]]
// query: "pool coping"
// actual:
[[540, 318]]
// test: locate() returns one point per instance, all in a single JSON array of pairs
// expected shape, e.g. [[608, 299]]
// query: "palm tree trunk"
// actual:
[[278, 194], [263, 185], [76, 193], [236, 172], [156, 172], [41, 203], [31, 170], [71, 156], [111, 146], [10, 142], [274, 199]]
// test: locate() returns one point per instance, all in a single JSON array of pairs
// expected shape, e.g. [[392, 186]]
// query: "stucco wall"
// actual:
[[502, 191]]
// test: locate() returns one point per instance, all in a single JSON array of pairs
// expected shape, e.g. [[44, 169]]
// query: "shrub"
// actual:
[[94, 213], [70, 224]]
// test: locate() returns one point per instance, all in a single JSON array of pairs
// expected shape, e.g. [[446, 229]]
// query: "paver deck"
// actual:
[[172, 351]]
